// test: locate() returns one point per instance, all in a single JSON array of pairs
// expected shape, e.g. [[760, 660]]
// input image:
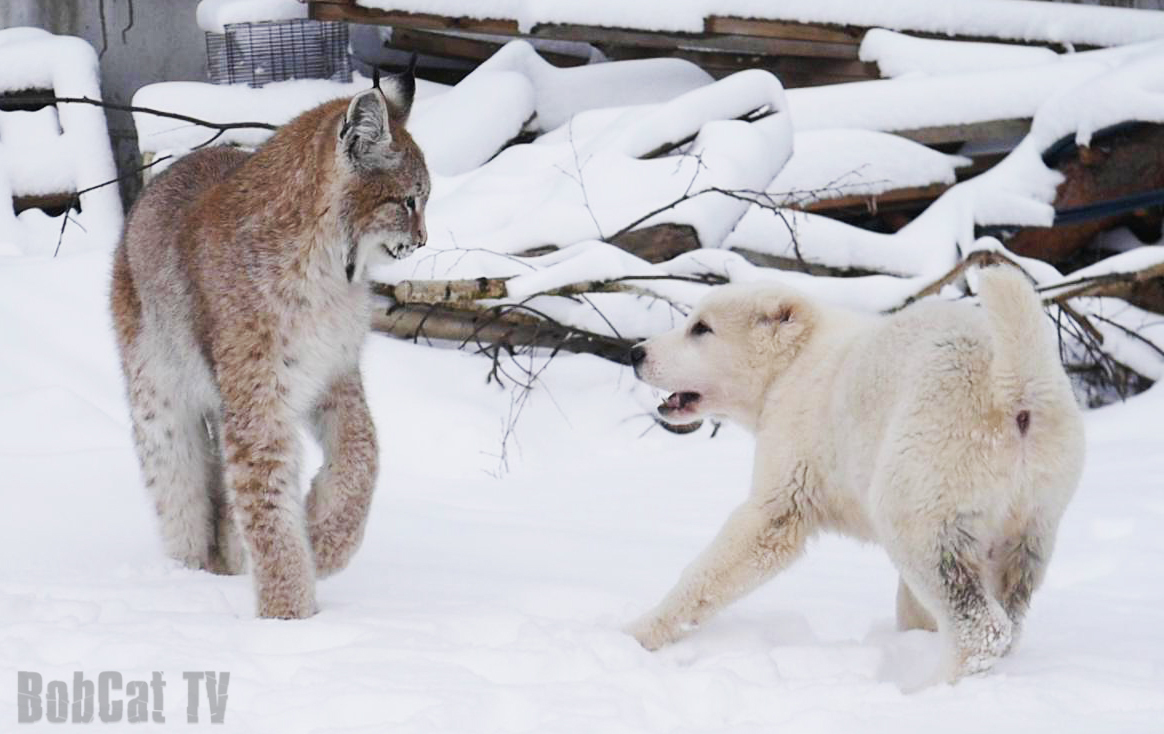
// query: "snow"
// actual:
[[489, 602], [511, 539], [918, 101], [214, 15], [1020, 20], [897, 54], [54, 151]]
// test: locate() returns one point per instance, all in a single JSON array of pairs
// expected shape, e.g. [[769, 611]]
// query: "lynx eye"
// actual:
[[410, 203], [700, 328]]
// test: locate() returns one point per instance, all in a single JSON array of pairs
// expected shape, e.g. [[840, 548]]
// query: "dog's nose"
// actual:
[[637, 355]]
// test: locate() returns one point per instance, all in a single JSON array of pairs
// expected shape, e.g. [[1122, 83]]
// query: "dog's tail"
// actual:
[[1026, 363]]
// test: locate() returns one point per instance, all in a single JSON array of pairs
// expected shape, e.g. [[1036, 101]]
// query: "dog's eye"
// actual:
[[410, 203], [700, 328]]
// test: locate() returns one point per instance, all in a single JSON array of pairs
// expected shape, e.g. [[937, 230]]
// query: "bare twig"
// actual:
[[757, 114], [77, 196], [979, 258], [220, 126], [1107, 284]]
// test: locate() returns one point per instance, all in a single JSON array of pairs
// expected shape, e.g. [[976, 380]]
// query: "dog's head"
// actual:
[[722, 360]]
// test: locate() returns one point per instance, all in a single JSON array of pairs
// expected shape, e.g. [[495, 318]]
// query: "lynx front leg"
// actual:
[[341, 493], [261, 458], [759, 539]]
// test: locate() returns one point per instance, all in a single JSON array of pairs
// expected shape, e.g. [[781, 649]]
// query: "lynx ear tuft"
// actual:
[[399, 91], [366, 134]]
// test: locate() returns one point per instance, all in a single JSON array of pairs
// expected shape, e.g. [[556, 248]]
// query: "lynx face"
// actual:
[[387, 183]]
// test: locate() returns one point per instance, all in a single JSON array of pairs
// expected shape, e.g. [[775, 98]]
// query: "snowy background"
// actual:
[[514, 533]]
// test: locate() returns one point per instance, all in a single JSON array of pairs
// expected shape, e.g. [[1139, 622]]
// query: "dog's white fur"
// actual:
[[947, 433]]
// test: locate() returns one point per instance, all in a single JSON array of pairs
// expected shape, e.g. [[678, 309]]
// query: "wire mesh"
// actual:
[[275, 51]]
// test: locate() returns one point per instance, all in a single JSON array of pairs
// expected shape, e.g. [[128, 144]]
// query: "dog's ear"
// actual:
[[777, 314]]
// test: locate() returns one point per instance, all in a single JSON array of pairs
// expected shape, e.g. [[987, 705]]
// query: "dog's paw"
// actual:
[[652, 632], [989, 643]]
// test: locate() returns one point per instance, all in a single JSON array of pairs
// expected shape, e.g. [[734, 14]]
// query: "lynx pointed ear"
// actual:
[[366, 134]]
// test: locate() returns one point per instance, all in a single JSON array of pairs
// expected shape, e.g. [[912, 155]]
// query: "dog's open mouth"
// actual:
[[679, 404]]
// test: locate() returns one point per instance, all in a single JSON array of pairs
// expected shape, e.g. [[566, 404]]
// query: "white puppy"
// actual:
[[947, 433]]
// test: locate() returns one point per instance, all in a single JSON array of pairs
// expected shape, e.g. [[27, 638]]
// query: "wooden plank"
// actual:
[[437, 43], [715, 42], [22, 100], [963, 133], [817, 32], [47, 202], [344, 11], [862, 203]]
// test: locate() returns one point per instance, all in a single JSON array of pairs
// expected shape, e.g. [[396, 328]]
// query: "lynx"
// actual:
[[240, 302]]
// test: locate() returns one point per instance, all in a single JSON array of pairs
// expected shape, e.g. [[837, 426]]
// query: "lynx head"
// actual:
[[387, 183]]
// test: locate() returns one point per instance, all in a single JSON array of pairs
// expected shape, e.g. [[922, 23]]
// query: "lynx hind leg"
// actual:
[[229, 554], [341, 493], [911, 615], [178, 462]]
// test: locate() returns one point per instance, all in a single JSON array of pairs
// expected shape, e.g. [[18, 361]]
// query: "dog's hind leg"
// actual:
[[949, 576], [911, 615], [341, 493], [760, 538], [1021, 564]]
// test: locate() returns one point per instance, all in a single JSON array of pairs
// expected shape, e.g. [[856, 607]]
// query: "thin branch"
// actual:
[[77, 195], [1104, 284], [1130, 332], [221, 126]]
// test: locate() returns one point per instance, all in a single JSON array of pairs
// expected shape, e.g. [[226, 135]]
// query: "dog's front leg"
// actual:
[[761, 537]]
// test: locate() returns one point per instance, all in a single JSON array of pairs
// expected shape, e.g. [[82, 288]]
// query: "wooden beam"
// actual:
[[973, 131], [699, 41], [864, 203], [47, 202], [24, 100], [351, 13], [816, 32], [437, 43]]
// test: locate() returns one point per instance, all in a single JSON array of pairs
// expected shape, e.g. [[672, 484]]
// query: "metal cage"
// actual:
[[275, 51]]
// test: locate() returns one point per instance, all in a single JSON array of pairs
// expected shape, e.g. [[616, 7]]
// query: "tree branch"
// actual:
[[220, 126]]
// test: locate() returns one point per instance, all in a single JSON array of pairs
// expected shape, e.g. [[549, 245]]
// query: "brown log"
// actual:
[[659, 242], [1126, 162], [497, 326]]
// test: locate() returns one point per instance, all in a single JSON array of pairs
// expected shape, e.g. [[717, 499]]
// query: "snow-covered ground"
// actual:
[[511, 539], [491, 601]]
